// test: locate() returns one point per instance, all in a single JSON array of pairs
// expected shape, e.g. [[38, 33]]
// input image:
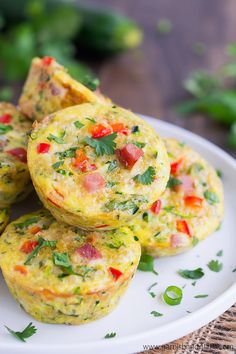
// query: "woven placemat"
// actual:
[[219, 336]]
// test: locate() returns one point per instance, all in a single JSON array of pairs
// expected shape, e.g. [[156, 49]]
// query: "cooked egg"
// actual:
[[50, 88], [14, 175], [188, 211], [61, 274], [96, 166]]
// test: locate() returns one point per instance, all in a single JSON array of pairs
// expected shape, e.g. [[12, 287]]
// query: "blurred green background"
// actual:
[[172, 60]]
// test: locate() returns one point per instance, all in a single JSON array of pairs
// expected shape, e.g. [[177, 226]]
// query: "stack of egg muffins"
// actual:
[[111, 188]]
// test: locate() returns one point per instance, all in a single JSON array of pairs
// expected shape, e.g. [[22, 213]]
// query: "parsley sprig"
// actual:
[[110, 335], [41, 244], [58, 139], [215, 265], [5, 128], [26, 333], [191, 274], [147, 177], [103, 146]]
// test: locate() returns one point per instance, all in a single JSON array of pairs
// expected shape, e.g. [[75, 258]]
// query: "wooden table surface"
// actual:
[[148, 81]]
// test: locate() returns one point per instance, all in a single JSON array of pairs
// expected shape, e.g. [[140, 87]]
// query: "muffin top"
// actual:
[[190, 208], [49, 88], [102, 164], [14, 175], [44, 255]]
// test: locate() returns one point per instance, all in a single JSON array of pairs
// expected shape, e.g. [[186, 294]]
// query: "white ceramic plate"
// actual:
[[131, 320]]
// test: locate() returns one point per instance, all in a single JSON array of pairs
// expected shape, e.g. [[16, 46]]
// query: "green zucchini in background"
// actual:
[[101, 31], [106, 32]]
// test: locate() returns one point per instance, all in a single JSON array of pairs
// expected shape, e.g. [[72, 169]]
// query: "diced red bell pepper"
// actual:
[[93, 182], [47, 60], [156, 207], [99, 131], [182, 226], [129, 155], [193, 202], [89, 251], [43, 148], [19, 153], [5, 118], [120, 128], [80, 160], [175, 166], [21, 269], [28, 246], [115, 272], [101, 226]]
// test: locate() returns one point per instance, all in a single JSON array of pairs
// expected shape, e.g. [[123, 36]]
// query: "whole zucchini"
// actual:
[[102, 31], [106, 32]]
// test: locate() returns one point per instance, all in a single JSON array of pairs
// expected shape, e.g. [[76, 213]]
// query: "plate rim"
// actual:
[[192, 321]]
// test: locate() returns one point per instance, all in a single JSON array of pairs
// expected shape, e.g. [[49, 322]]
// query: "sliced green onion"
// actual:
[[173, 295]]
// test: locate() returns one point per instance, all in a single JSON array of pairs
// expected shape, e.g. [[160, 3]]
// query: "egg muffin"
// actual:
[[14, 175], [49, 88], [62, 274], [4, 218], [96, 166], [189, 210]]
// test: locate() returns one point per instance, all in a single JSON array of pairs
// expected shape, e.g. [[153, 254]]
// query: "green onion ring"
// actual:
[[173, 295]]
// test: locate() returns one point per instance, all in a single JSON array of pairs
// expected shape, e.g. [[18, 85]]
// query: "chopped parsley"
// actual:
[[4, 128], [57, 139], [57, 164], [78, 124], [145, 216], [29, 331], [220, 253], [194, 241], [67, 153], [146, 264], [234, 270], [61, 259], [173, 182], [122, 206], [151, 292], [111, 184], [193, 283], [110, 335], [115, 244], [201, 296], [191, 274], [41, 243], [112, 165], [139, 144], [26, 223], [156, 314], [135, 129], [211, 197], [92, 120], [215, 266], [219, 173], [105, 145], [147, 177]]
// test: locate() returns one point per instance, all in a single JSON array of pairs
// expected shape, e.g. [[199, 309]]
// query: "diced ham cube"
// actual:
[[19, 153], [186, 185], [129, 155], [94, 182], [89, 251]]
